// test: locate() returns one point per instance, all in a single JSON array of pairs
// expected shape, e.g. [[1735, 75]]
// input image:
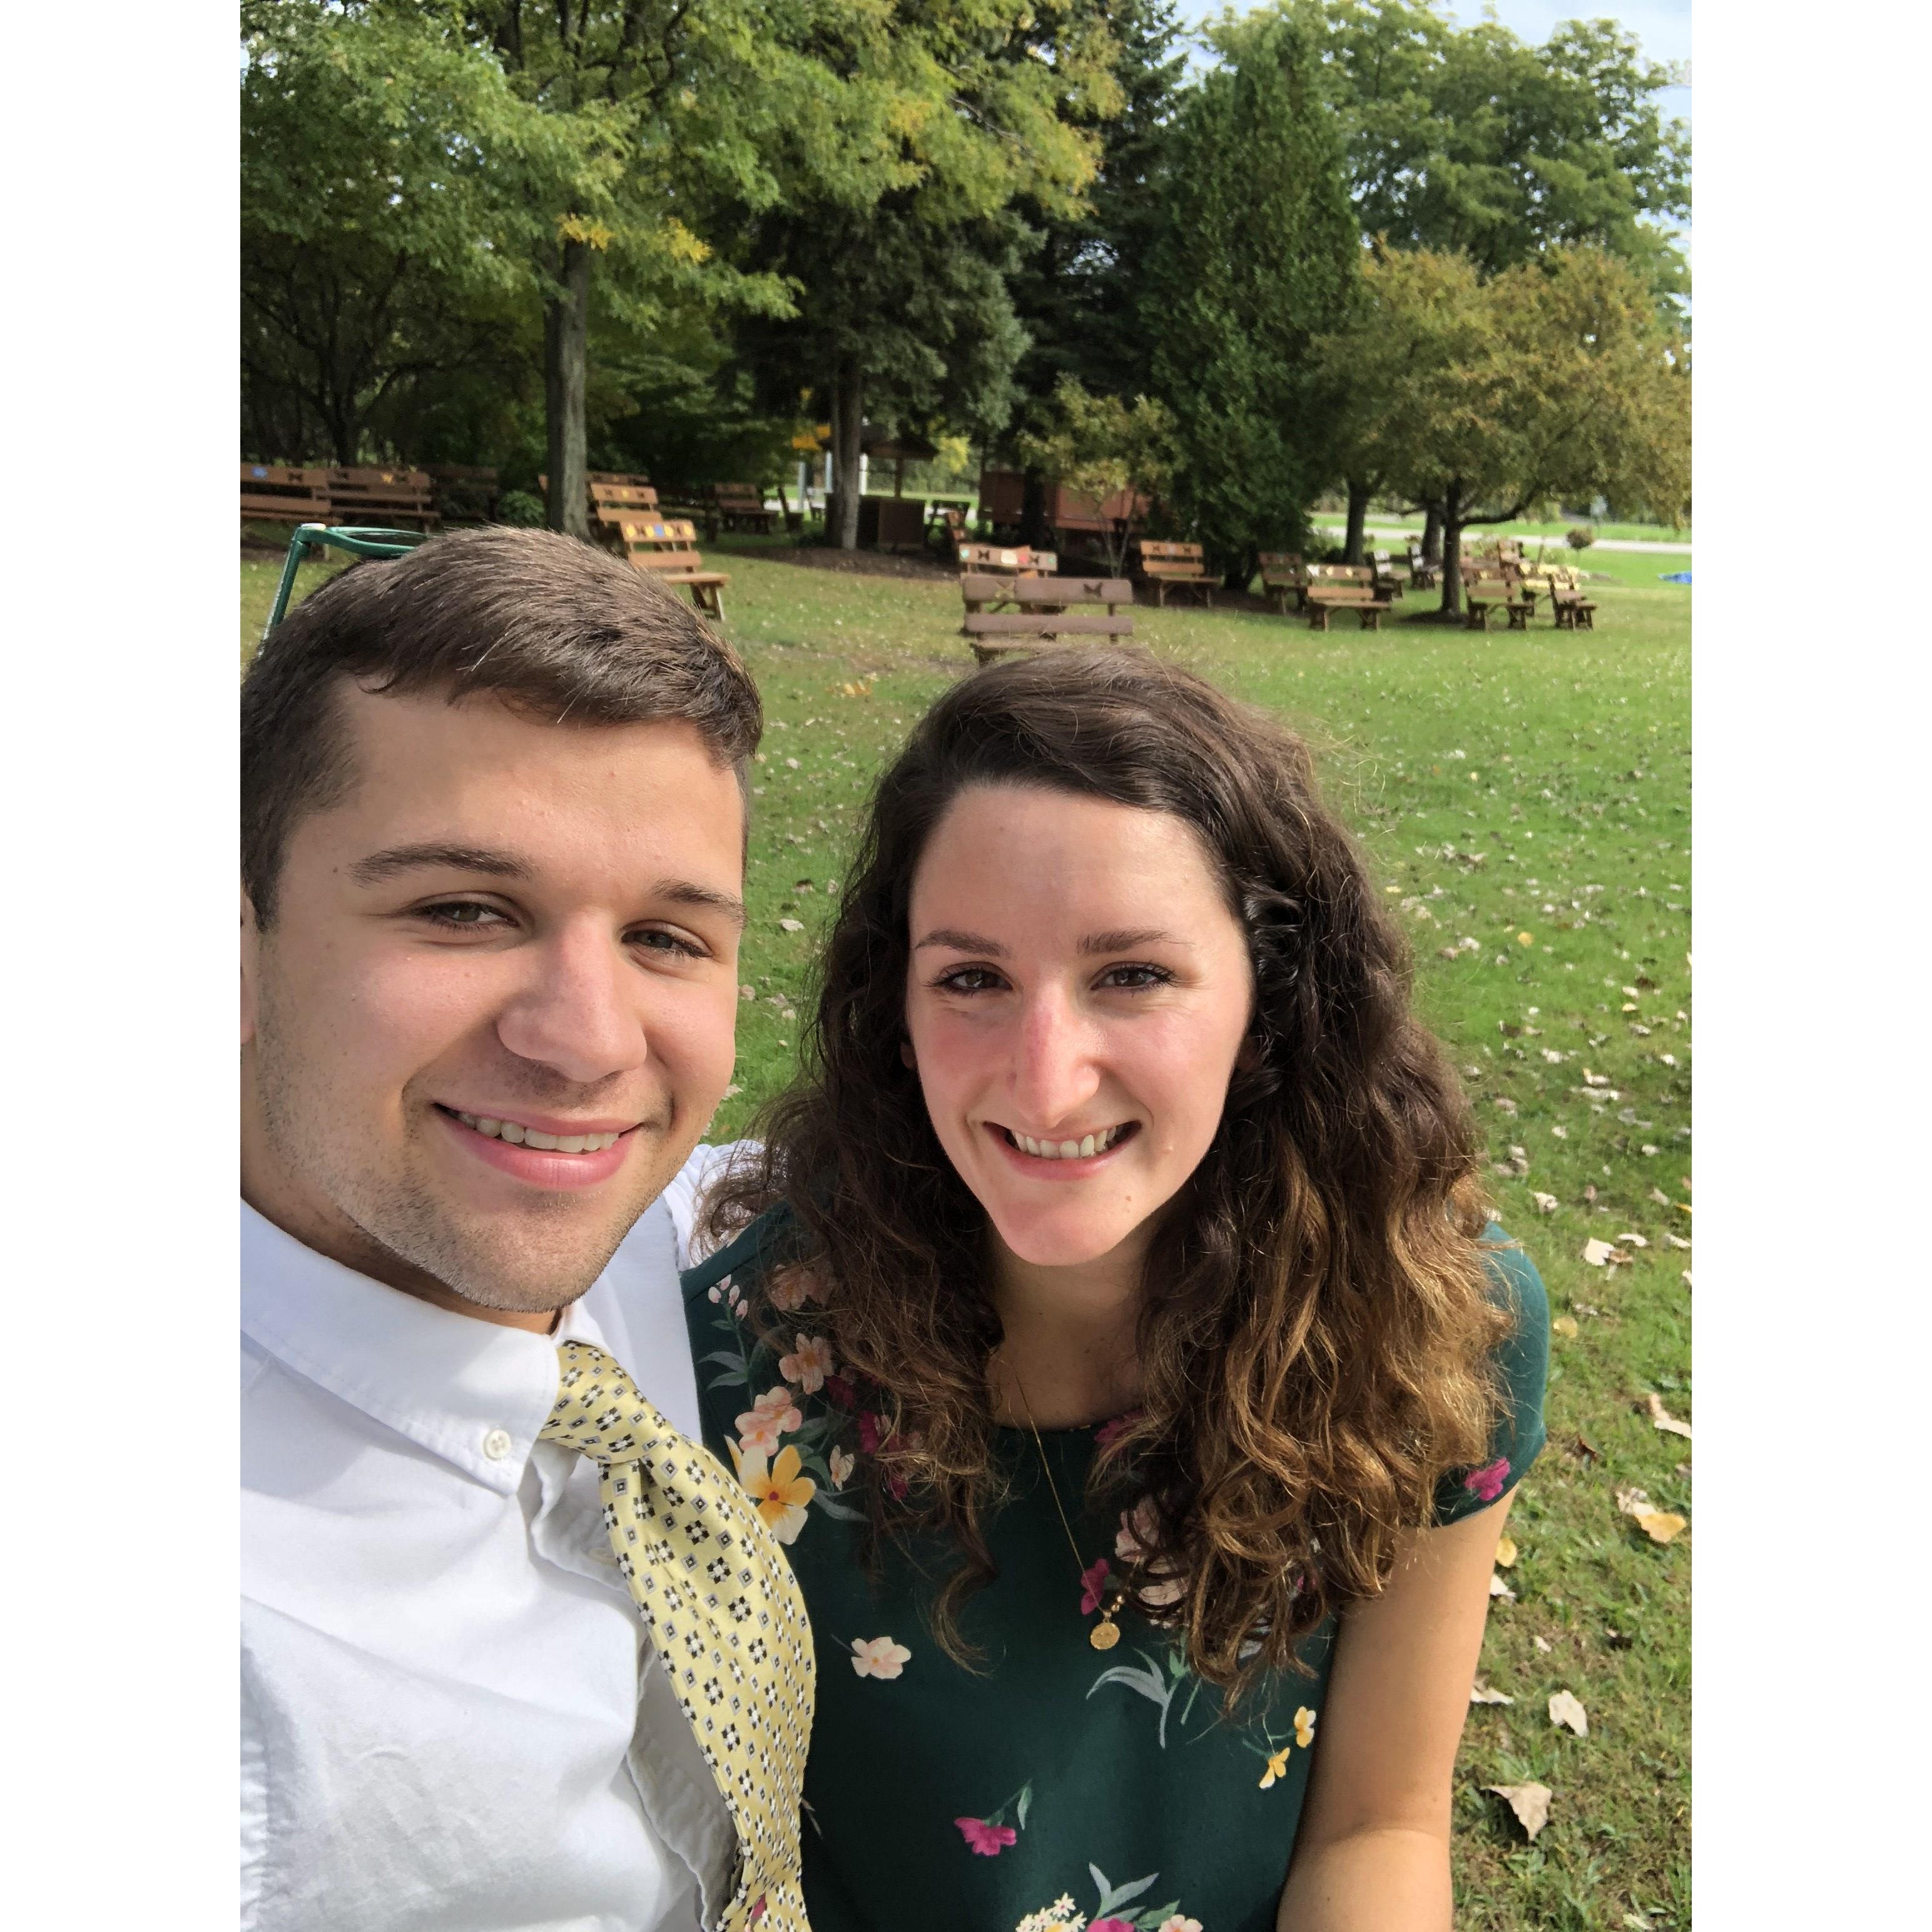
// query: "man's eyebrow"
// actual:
[[683, 891], [1128, 939], [398, 859], [962, 942]]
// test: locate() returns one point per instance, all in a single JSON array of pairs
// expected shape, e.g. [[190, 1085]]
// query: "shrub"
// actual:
[[1579, 537], [521, 508]]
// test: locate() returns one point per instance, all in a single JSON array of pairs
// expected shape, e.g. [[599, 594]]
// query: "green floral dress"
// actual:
[[1059, 1786]]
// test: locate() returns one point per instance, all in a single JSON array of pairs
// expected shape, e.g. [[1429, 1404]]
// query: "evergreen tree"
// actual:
[[1256, 253]]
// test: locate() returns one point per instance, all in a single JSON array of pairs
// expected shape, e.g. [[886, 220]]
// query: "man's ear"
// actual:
[[251, 966]]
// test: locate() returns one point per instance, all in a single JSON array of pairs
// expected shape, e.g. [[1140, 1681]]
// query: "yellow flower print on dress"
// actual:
[[780, 1491], [1277, 1767], [1304, 1727]]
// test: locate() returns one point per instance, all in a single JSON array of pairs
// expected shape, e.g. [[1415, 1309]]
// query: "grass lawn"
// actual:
[[1631, 532], [1525, 800]]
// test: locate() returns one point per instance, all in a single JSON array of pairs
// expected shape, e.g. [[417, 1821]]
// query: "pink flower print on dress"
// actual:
[[790, 1288], [879, 1656], [1107, 1431], [839, 1390], [1180, 1923], [988, 1840], [1093, 1586], [772, 1415], [1111, 1925], [1131, 1544], [1488, 1481], [809, 1364]]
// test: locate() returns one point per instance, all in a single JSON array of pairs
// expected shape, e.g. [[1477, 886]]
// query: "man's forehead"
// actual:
[[476, 773]]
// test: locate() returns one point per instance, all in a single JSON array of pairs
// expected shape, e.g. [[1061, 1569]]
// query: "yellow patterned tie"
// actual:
[[723, 1608]]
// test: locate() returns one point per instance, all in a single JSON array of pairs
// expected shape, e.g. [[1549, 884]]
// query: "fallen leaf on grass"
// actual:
[[1596, 1253], [1530, 1802], [1565, 1709], [1545, 1204], [1565, 1325], [748, 992], [1498, 1588], [1635, 1240], [1580, 1450], [1677, 1240], [1544, 1644], [1662, 1418], [1660, 1526], [1480, 1693], [1506, 1552], [1662, 1199]]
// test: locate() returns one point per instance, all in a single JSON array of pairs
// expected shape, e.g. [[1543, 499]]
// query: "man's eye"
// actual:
[[463, 915], [673, 945], [967, 980]]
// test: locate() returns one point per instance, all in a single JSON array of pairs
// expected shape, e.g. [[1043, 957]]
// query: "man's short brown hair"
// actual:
[[552, 627]]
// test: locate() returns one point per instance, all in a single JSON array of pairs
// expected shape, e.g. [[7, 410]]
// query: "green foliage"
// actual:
[[521, 508], [1101, 447], [1255, 255], [1466, 138], [1579, 538], [1554, 380]]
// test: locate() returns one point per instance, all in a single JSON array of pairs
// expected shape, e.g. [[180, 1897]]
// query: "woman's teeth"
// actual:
[[1079, 1149], [517, 1136]]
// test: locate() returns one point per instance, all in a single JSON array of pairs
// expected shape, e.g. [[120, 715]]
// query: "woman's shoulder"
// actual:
[[1521, 1362]]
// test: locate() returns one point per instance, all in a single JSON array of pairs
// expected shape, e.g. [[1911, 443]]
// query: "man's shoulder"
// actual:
[[682, 1199]]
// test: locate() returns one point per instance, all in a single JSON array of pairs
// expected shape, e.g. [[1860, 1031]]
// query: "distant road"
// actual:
[[1602, 543]]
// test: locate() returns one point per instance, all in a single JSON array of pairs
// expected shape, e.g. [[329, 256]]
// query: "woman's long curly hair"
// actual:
[[1315, 1324]]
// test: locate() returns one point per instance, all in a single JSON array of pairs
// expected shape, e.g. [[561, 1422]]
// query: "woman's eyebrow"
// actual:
[[962, 942], [1128, 939]]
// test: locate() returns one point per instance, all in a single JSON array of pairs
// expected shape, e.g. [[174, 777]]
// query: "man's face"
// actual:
[[508, 933]]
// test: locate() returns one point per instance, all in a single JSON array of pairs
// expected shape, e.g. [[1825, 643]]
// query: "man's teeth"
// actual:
[[520, 1136], [1079, 1149]]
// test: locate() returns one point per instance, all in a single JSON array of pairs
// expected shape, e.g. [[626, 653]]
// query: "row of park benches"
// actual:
[[276, 493], [1491, 585]]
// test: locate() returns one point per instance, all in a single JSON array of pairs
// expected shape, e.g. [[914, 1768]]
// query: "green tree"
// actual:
[[1255, 254], [1482, 398], [901, 269], [1100, 446]]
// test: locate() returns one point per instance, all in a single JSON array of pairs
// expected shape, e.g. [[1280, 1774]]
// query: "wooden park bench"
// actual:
[[739, 506], [667, 549], [1343, 587], [1486, 591], [386, 496], [1571, 608], [1042, 614], [1390, 577], [1007, 559], [1284, 575], [614, 504], [1176, 566], [1423, 575], [466, 492], [274, 493]]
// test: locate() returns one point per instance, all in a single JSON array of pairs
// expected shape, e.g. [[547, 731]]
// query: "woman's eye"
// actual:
[[1133, 979], [967, 980], [463, 915]]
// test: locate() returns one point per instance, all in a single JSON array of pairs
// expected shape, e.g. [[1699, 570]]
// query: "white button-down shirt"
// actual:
[[452, 1720]]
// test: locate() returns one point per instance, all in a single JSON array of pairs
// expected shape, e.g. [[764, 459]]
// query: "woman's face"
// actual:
[[1075, 997]]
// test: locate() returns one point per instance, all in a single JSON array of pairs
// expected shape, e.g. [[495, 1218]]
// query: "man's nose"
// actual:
[[1054, 1073], [579, 1013]]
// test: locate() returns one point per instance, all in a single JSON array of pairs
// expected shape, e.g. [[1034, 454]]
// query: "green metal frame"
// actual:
[[358, 542]]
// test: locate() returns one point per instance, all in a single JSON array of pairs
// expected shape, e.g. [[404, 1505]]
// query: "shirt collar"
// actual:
[[471, 1392]]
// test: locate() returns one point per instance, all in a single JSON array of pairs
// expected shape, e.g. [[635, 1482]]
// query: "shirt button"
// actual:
[[497, 1444]]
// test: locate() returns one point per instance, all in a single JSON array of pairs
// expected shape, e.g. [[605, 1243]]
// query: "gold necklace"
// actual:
[[1105, 1633]]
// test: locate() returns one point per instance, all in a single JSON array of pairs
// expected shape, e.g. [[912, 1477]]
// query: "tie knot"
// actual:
[[599, 1411]]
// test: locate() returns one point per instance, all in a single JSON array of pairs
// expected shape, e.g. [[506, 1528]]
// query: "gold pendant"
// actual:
[[1103, 1635]]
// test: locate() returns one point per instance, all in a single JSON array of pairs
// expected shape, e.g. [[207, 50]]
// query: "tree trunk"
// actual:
[[566, 340], [1358, 517], [1432, 534], [1035, 530], [848, 423], [1452, 508]]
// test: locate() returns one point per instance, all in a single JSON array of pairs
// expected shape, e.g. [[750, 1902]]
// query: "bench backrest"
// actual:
[[1341, 573], [607, 499], [268, 477], [1026, 591], [1281, 563], [738, 495], [657, 542], [1170, 553], [390, 488], [1015, 557]]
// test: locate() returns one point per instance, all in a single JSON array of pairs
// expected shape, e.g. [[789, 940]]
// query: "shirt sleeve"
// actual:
[[687, 1188], [1523, 1363]]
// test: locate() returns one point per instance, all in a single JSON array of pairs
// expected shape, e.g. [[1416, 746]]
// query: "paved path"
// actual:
[[1555, 543]]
